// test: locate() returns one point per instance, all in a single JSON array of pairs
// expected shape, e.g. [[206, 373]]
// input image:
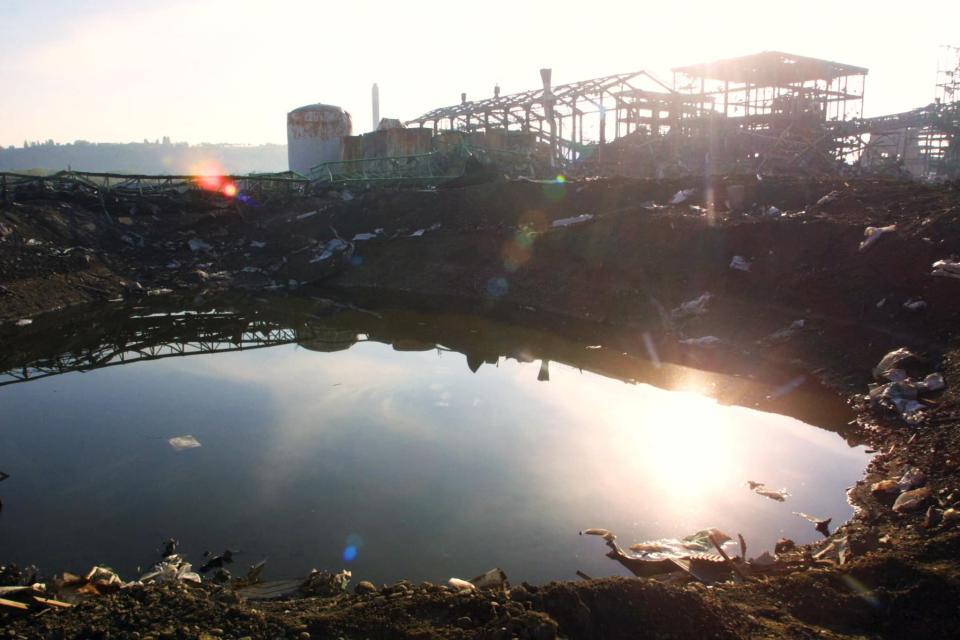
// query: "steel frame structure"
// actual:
[[156, 337], [564, 117]]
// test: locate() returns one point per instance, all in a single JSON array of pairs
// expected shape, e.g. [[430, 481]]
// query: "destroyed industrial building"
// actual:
[[770, 113]]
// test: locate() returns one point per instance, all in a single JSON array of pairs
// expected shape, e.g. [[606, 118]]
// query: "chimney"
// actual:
[[496, 91], [376, 106], [545, 75], [463, 98]]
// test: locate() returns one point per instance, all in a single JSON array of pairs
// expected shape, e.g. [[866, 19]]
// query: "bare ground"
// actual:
[[496, 252]]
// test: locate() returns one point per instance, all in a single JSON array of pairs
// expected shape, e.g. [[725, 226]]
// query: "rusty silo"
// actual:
[[313, 135]]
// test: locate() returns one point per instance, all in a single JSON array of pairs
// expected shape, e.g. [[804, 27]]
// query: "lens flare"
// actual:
[[349, 553], [230, 190], [497, 287]]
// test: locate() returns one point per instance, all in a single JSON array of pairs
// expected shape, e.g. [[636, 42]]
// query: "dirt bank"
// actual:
[[498, 249]]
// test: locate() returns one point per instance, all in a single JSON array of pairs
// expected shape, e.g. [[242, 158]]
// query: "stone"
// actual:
[[363, 587], [913, 500]]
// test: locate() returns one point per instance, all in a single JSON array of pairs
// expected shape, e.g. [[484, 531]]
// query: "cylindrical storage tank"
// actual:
[[313, 135]]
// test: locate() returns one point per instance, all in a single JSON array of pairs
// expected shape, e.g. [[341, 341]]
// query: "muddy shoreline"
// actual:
[[494, 249]]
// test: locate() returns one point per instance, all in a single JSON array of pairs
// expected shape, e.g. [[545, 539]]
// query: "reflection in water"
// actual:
[[362, 439]]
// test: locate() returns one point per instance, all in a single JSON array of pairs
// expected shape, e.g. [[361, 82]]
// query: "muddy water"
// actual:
[[398, 445]]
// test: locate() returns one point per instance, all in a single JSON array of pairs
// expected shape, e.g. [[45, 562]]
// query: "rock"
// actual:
[[912, 478], [546, 630], [933, 517], [950, 517], [914, 500], [363, 587], [890, 487], [304, 635], [465, 622]]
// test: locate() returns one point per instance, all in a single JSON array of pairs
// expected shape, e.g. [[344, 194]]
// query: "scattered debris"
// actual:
[[915, 304], [566, 222], [705, 341], [492, 579], [946, 268], [695, 307], [308, 214], [367, 236], [173, 568], [873, 234], [820, 524], [740, 263], [760, 488], [24, 322], [257, 244], [838, 551], [216, 562], [681, 196], [179, 443], [325, 584], [196, 245], [784, 545], [785, 333]]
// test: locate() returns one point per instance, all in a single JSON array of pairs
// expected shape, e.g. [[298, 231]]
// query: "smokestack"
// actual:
[[376, 106], [496, 91], [545, 75], [463, 98]]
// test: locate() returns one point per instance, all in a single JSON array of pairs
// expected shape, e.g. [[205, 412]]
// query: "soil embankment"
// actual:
[[498, 248]]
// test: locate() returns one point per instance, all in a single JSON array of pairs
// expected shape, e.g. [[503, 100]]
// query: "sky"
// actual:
[[230, 70]]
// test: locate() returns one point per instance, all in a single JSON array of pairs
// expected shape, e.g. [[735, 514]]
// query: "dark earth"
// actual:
[[496, 253]]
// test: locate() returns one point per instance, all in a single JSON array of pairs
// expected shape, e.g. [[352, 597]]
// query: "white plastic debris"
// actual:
[[695, 307], [606, 534], [759, 488], [764, 560], [705, 341], [681, 196], [257, 244], [461, 585], [308, 214], [946, 268], [333, 246], [24, 322], [566, 222], [417, 233], [830, 197], [173, 568], [773, 212], [740, 263], [159, 292], [179, 443], [368, 236], [699, 542], [196, 244], [872, 234], [915, 305]]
